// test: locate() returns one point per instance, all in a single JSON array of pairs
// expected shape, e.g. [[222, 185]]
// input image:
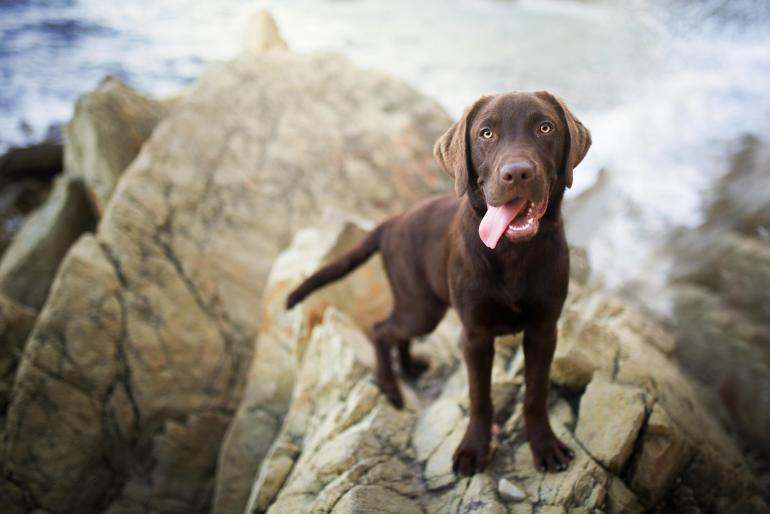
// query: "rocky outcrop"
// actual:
[[25, 177], [16, 323], [107, 129], [262, 34], [109, 126], [642, 436], [275, 364], [30, 262], [722, 301], [137, 360]]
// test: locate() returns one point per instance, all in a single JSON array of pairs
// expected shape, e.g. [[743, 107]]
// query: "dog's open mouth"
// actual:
[[518, 220]]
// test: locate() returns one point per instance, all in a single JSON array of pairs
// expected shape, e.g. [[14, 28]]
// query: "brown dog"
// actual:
[[497, 254]]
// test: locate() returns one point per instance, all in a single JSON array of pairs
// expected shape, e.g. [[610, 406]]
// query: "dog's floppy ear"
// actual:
[[452, 150], [577, 140]]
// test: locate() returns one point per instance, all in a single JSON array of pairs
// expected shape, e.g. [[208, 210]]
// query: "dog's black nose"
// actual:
[[517, 171]]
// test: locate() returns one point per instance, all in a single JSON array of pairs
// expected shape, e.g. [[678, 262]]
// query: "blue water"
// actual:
[[667, 87]]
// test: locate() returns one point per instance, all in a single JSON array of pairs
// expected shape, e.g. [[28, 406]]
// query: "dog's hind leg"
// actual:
[[397, 331], [384, 340], [412, 367]]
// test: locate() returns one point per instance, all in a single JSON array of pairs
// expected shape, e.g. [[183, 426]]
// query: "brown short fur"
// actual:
[[434, 259]]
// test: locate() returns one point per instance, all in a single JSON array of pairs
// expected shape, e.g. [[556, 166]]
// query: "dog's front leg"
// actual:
[[549, 453], [471, 456]]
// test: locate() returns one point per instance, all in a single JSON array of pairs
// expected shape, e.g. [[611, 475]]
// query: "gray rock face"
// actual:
[[722, 303], [641, 434], [138, 358]]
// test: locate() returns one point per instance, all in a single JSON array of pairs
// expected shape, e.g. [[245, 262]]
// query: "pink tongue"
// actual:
[[497, 219]]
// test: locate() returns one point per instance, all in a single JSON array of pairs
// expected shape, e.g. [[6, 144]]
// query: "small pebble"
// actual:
[[510, 491]]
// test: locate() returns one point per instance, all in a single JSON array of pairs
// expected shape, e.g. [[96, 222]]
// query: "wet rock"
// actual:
[[107, 129], [29, 264]]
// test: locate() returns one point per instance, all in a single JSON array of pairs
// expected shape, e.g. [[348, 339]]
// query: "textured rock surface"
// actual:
[[16, 323], [108, 128], [29, 264], [611, 416], [340, 438], [274, 367], [137, 361], [722, 303]]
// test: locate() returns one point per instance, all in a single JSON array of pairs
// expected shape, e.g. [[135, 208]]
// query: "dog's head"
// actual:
[[513, 154]]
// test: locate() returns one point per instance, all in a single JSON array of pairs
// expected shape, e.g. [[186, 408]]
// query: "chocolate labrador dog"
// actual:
[[496, 252]]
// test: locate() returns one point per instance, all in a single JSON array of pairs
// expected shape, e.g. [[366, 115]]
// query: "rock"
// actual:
[[339, 436], [664, 453], [726, 346], [347, 439], [282, 342], [40, 162], [140, 355], [16, 323], [721, 279], [109, 126], [262, 34], [611, 416], [29, 264], [739, 202], [17, 200], [375, 499], [509, 491]]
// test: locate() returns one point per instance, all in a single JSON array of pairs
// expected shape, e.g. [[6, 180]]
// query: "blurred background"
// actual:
[[671, 204], [669, 88]]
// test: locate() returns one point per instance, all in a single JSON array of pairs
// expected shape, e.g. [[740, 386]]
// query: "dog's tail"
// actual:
[[339, 268]]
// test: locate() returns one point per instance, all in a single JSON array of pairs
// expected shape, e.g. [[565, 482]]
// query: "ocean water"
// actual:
[[666, 87]]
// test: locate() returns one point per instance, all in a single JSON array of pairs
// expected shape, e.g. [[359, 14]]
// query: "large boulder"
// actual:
[[109, 126], [643, 436], [275, 363], [107, 129], [139, 356]]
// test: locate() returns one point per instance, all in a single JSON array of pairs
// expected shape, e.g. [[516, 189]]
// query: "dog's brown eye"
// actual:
[[486, 133], [546, 127]]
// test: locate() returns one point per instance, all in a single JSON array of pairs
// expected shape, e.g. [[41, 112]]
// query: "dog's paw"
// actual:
[[471, 456], [415, 368], [550, 454], [393, 393]]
